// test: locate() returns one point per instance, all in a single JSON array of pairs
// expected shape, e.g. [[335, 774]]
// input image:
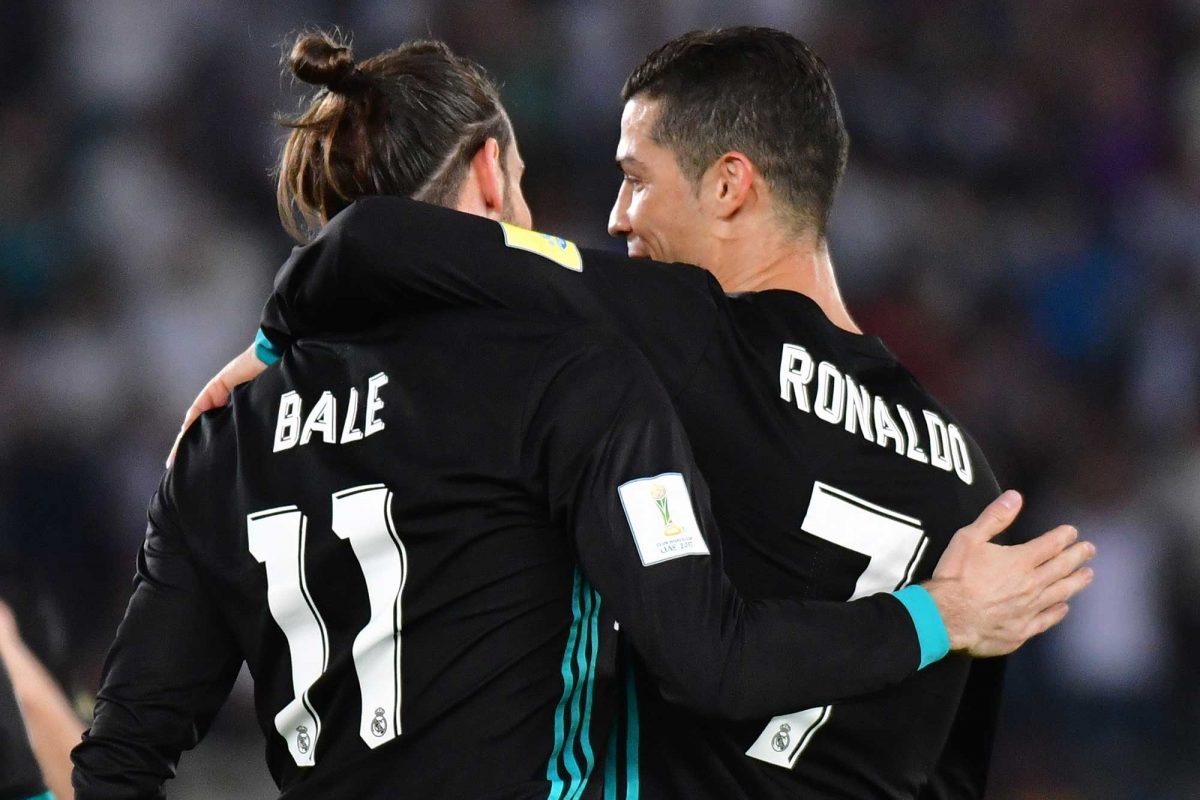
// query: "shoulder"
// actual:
[[983, 487], [385, 216], [606, 357], [207, 455], [686, 276], [592, 370]]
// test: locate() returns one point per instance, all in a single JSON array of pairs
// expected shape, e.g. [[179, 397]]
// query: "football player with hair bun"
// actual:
[[835, 475]]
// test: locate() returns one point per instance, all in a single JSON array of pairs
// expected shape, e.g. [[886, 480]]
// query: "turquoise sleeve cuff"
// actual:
[[931, 631], [267, 352], [43, 796]]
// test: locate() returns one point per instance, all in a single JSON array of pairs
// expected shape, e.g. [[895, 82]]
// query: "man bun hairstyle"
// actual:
[[759, 91], [318, 59], [405, 122]]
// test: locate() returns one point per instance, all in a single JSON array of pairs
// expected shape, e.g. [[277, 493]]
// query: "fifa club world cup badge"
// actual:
[[379, 724], [302, 740], [659, 493], [661, 518], [781, 740]]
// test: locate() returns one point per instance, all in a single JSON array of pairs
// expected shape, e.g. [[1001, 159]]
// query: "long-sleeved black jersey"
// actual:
[[834, 475], [20, 776], [429, 545]]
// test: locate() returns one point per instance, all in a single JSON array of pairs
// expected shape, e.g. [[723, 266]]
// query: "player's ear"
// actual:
[[488, 175], [728, 185]]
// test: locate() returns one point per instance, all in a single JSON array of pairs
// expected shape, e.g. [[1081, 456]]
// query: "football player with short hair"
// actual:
[[835, 475]]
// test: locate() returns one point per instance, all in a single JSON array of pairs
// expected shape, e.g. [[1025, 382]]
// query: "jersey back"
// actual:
[[835, 475], [386, 564]]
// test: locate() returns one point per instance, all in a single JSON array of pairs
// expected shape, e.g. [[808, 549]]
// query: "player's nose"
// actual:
[[618, 220]]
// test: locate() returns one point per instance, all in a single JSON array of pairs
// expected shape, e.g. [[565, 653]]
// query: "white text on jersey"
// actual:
[[322, 418], [838, 400]]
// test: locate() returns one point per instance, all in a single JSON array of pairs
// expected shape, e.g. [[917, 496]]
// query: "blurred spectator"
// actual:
[[51, 722]]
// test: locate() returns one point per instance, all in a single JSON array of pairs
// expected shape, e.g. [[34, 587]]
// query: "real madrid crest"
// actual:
[[782, 738], [379, 724], [302, 740]]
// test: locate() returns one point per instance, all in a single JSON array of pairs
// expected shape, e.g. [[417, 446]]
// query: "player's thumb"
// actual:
[[996, 518]]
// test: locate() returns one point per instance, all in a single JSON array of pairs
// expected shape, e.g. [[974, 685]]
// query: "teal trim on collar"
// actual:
[[266, 351], [931, 631]]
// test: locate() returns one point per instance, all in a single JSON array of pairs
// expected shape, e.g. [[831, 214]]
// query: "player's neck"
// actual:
[[803, 266]]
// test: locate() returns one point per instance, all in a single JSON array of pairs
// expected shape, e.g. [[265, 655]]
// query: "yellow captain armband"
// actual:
[[560, 251]]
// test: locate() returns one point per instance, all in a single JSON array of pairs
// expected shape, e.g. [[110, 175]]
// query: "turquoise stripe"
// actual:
[[42, 796], [610, 765], [265, 349], [593, 648], [581, 669], [632, 775], [553, 774], [931, 630]]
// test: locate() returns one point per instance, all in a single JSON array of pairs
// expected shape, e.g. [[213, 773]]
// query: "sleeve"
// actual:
[[385, 256], [20, 777], [621, 478], [171, 666], [962, 770]]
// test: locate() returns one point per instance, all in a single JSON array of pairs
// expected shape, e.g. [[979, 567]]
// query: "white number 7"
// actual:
[[894, 543], [277, 537]]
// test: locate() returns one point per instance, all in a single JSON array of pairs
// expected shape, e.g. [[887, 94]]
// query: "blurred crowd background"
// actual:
[[1020, 222]]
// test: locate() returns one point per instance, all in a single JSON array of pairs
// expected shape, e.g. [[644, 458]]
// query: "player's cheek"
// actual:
[[640, 213]]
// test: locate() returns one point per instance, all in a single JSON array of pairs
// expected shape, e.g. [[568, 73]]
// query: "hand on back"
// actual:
[[216, 392], [993, 598]]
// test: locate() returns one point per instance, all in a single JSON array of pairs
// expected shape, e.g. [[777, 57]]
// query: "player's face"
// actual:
[[658, 211], [516, 210]]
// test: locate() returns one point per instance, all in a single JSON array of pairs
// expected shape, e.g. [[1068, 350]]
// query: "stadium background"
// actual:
[[1020, 222]]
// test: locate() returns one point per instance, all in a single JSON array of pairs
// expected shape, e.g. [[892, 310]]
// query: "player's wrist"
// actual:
[[947, 595], [932, 636]]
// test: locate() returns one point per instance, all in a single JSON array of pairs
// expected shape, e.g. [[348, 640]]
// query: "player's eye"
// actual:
[[634, 183]]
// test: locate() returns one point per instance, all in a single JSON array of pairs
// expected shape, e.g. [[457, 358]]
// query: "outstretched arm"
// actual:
[[386, 256], [622, 478]]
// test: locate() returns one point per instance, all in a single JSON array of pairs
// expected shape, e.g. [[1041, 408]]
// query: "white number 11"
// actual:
[[277, 537], [894, 544]]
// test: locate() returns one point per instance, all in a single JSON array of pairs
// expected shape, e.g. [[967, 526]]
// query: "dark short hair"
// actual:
[[404, 122], [761, 92]]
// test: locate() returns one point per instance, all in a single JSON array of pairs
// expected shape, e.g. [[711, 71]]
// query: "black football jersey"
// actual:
[[430, 544], [834, 474], [20, 777]]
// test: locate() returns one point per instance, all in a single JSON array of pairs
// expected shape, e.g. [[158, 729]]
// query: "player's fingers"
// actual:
[[193, 411], [217, 391], [1050, 544], [174, 447], [213, 395], [1066, 562], [246, 367], [994, 519], [1047, 620], [1063, 590]]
